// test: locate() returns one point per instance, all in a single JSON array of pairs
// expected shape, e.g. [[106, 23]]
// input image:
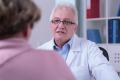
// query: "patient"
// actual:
[[18, 61]]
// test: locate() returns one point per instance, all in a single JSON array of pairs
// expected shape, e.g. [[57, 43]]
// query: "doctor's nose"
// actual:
[[61, 25]]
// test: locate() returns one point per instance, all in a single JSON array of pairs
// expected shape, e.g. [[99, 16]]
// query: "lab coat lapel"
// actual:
[[72, 56], [74, 51]]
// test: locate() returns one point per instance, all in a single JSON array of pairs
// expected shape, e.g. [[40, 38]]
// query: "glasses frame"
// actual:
[[64, 22]]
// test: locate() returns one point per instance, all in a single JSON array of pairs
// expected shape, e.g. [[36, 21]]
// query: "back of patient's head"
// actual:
[[15, 15]]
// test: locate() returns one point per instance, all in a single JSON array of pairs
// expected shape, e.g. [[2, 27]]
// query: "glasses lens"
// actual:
[[56, 21], [65, 22]]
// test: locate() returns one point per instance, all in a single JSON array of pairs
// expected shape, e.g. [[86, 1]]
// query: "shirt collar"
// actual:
[[68, 43]]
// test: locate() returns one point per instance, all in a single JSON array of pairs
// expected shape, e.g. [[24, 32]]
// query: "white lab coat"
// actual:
[[86, 60]]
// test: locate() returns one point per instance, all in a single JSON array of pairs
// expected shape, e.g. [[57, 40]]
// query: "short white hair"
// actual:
[[67, 5]]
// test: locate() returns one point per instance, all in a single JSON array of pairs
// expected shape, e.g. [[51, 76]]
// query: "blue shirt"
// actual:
[[64, 50]]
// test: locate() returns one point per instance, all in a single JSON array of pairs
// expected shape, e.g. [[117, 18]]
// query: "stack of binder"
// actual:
[[114, 31]]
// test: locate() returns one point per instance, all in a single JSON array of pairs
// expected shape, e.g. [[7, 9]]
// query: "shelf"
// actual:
[[95, 19], [101, 22], [114, 17]]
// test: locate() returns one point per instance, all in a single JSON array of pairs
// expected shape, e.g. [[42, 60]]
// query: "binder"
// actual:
[[94, 35], [113, 31], [93, 8], [118, 14]]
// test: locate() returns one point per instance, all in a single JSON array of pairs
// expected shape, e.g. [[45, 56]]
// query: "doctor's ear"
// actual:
[[76, 26]]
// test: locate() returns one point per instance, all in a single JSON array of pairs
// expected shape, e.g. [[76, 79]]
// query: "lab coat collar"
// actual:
[[74, 50]]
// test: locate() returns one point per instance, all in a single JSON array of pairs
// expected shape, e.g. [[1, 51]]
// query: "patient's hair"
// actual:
[[15, 15]]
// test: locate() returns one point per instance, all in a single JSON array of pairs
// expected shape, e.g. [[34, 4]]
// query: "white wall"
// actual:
[[41, 32], [69, 1]]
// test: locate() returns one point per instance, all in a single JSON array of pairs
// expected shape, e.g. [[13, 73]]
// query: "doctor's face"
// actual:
[[63, 24]]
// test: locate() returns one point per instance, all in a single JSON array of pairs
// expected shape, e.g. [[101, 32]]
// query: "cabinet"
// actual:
[[108, 10], [99, 27]]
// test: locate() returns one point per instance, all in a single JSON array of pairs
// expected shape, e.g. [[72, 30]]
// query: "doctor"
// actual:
[[82, 56]]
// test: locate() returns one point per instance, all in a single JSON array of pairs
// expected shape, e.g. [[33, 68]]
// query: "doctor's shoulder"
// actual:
[[87, 42]]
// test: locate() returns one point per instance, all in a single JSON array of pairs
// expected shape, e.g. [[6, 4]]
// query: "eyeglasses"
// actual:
[[64, 22]]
